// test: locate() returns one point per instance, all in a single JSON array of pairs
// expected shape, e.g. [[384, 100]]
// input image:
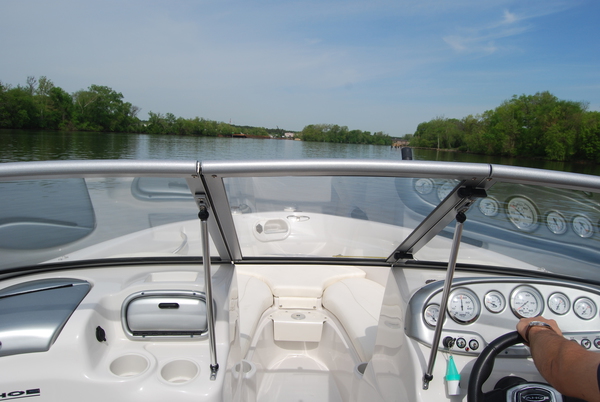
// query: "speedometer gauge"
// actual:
[[489, 206], [583, 226], [559, 303], [463, 306], [432, 314], [526, 302], [556, 223], [424, 186], [522, 213], [494, 301], [585, 308]]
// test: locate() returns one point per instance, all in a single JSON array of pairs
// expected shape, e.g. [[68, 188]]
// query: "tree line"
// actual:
[[534, 126], [341, 134], [42, 105]]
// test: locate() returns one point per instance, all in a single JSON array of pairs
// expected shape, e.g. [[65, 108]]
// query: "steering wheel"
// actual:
[[517, 390]]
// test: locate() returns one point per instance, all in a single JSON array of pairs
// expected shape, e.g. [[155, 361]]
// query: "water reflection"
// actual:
[[19, 145]]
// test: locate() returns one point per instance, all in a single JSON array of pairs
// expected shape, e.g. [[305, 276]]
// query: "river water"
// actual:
[[18, 145]]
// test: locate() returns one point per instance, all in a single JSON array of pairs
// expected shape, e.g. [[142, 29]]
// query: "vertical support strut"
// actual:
[[214, 366], [460, 219]]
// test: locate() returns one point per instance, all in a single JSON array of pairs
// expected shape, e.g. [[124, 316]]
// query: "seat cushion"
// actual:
[[356, 302], [254, 298], [300, 280]]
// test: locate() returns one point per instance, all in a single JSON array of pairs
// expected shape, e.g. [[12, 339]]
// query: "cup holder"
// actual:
[[360, 368], [244, 369], [129, 365], [179, 371]]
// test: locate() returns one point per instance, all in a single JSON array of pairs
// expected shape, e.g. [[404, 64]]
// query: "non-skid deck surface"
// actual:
[[298, 379]]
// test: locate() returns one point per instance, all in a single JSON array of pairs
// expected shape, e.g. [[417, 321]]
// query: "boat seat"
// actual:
[[300, 286], [356, 303], [290, 287], [254, 298]]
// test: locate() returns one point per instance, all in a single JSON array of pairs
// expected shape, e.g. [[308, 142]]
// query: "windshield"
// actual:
[[380, 217], [53, 220], [329, 216]]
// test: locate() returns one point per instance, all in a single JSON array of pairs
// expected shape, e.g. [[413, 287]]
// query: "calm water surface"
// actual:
[[17, 145]]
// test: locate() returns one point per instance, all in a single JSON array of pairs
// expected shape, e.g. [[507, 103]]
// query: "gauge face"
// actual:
[[585, 308], [489, 206], [494, 301], [424, 186], [431, 314], [526, 302], [445, 189], [556, 223], [463, 306], [522, 213], [583, 226], [559, 303]]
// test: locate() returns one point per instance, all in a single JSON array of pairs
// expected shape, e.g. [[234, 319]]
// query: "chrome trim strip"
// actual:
[[345, 167], [96, 168]]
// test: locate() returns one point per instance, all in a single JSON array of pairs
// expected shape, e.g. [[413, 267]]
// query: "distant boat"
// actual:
[[240, 135]]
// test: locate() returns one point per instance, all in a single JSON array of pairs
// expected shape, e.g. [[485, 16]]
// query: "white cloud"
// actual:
[[509, 17]]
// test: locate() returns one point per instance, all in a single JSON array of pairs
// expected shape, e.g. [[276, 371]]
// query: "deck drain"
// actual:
[[298, 316]]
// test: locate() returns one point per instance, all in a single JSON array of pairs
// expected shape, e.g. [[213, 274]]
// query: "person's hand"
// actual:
[[524, 323]]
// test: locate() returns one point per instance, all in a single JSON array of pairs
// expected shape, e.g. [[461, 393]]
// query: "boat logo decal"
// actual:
[[29, 393]]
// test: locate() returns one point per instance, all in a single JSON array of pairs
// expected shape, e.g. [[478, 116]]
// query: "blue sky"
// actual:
[[375, 65]]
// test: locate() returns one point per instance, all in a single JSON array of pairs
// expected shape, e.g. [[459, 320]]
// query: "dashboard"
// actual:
[[481, 309]]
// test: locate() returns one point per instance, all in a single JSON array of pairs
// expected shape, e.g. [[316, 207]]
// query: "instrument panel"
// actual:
[[527, 209], [479, 310]]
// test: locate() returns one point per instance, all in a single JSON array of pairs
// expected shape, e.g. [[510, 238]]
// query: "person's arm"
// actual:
[[567, 366]]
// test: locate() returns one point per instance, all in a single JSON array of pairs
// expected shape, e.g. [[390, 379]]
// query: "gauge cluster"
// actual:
[[527, 209], [479, 310]]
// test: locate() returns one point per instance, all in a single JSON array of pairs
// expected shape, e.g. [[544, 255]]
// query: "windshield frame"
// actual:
[[206, 183]]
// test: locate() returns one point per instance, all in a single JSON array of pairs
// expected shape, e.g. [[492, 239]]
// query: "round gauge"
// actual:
[[556, 223], [583, 226], [494, 301], [489, 206], [585, 308], [559, 303], [526, 302], [445, 189], [431, 314], [463, 306], [522, 213], [424, 186]]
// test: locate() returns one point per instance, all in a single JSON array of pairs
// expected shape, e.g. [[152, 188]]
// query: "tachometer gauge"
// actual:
[[424, 186], [494, 301], [583, 226], [445, 189], [585, 308], [489, 206], [463, 306], [526, 302], [559, 303], [431, 314], [522, 213], [556, 223]]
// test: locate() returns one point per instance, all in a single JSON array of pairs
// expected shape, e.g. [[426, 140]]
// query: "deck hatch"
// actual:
[[165, 313]]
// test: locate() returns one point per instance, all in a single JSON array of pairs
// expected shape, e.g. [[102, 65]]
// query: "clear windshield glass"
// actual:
[[520, 226], [79, 219], [341, 216]]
